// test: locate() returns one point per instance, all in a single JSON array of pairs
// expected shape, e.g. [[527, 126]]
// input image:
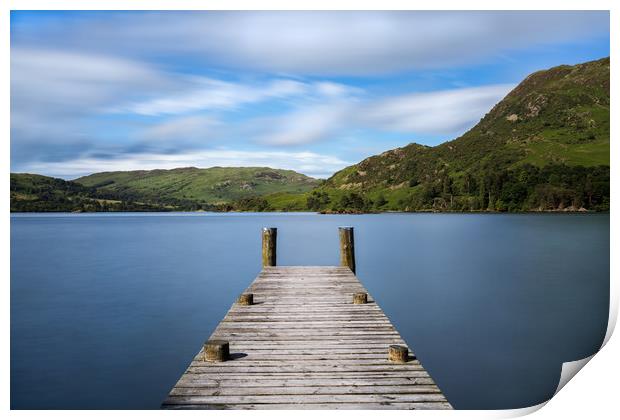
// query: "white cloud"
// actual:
[[54, 92], [446, 112], [329, 110], [183, 129], [335, 90], [305, 125], [206, 93], [326, 43], [211, 94], [309, 163], [57, 97], [438, 112], [53, 80]]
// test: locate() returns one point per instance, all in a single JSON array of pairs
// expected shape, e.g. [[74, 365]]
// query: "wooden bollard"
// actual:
[[246, 299], [347, 248], [269, 246], [360, 298], [216, 351], [399, 354]]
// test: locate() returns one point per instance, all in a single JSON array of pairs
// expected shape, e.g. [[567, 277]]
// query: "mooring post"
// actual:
[[216, 351], [269, 246], [398, 354], [347, 248], [360, 298], [246, 299]]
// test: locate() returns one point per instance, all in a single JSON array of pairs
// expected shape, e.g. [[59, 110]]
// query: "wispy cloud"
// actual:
[[304, 125], [440, 112], [184, 129], [56, 95], [204, 93], [52, 80], [445, 112], [54, 92], [51, 105], [325, 43]]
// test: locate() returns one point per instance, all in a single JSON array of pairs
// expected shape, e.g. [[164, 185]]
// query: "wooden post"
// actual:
[[399, 354], [216, 351], [347, 248], [360, 298], [269, 246], [246, 299]]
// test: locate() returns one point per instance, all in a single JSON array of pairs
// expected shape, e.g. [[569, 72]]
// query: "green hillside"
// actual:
[[209, 186], [30, 192], [545, 146], [212, 189]]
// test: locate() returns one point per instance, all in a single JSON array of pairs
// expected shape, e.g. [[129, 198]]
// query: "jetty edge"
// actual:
[[306, 337]]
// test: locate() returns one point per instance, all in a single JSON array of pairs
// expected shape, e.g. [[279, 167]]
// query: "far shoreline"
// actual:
[[489, 212]]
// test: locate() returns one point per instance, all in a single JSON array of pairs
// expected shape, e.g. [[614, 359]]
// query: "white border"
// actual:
[[592, 394]]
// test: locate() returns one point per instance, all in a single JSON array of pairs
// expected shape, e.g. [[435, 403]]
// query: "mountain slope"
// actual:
[[206, 186], [545, 146]]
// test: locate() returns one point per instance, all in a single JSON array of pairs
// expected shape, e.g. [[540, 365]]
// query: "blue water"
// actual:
[[107, 310]]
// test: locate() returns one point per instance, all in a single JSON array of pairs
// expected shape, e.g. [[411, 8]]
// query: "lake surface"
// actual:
[[107, 310]]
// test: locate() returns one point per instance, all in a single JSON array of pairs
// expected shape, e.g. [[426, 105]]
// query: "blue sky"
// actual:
[[310, 91]]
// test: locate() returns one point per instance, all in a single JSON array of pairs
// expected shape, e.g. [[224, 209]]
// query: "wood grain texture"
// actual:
[[304, 344], [347, 247], [269, 236]]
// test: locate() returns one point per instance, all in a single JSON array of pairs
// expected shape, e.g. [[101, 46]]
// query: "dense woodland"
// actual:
[[526, 188]]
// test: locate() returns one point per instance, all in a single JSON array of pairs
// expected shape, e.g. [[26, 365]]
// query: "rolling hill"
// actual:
[[215, 185], [215, 189]]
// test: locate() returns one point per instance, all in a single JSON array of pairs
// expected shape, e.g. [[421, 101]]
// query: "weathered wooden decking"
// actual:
[[305, 345]]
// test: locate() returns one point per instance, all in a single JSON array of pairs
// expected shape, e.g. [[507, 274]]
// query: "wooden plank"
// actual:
[[321, 346], [188, 381], [323, 406], [305, 345], [306, 325], [305, 364], [309, 375], [300, 368], [315, 309], [303, 399], [263, 356], [303, 390]]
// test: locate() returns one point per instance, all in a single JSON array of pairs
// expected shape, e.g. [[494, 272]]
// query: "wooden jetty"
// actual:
[[306, 338]]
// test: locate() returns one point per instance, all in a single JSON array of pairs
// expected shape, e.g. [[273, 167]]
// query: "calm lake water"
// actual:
[[107, 310]]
